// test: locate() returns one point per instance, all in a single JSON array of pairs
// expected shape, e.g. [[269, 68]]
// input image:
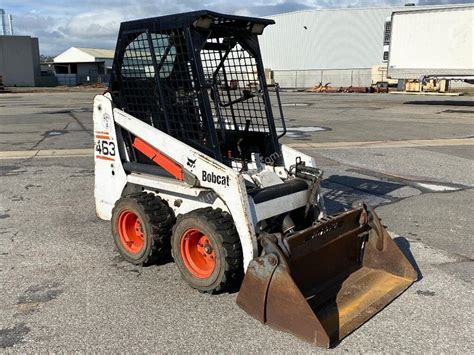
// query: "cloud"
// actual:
[[91, 23], [94, 24]]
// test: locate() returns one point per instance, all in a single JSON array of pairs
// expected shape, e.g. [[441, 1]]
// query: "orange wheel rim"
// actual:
[[197, 253], [130, 231]]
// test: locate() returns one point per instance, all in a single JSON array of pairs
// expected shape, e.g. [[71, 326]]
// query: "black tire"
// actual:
[[156, 219], [219, 227]]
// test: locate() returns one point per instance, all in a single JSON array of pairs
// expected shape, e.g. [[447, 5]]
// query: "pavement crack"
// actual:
[[70, 113], [39, 142], [12, 238]]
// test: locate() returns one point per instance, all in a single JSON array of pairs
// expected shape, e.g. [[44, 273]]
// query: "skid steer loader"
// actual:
[[188, 163]]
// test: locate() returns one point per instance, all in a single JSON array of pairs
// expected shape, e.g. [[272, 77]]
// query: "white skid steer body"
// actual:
[[202, 182]]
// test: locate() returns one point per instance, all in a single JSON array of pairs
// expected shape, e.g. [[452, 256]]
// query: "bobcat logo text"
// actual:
[[215, 179]]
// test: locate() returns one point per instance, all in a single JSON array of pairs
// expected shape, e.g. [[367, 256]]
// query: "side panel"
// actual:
[[211, 174], [110, 178], [181, 197], [290, 155], [289, 158], [280, 205]]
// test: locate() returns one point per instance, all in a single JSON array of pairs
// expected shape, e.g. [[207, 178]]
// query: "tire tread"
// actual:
[[160, 217], [223, 223]]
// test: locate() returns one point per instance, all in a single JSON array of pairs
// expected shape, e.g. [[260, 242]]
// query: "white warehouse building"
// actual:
[[336, 46], [83, 65]]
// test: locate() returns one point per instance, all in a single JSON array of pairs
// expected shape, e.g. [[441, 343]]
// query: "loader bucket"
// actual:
[[323, 282]]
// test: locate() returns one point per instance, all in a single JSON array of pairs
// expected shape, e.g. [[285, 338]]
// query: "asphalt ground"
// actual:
[[64, 287]]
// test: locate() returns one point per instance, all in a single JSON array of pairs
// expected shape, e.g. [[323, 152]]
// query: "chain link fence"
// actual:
[[300, 79], [76, 79]]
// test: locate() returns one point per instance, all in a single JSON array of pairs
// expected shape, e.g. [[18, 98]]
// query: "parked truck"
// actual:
[[434, 43]]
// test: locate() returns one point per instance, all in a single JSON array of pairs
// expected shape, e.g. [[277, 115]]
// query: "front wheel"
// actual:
[[206, 249]]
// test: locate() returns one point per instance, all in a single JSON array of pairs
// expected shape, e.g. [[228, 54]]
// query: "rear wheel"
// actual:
[[141, 226], [207, 250]]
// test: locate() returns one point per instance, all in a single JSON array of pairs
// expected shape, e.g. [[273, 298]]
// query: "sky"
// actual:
[[61, 24]]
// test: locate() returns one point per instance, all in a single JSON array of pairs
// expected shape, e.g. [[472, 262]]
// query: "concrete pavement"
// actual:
[[64, 287]]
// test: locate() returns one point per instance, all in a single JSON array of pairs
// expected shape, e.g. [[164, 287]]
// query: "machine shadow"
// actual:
[[163, 261], [341, 191], [374, 187], [441, 102], [404, 246]]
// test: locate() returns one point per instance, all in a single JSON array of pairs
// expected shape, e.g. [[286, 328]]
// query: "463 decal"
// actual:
[[105, 147]]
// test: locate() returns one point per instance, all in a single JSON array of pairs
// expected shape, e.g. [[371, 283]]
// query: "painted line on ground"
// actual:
[[437, 187], [71, 153], [414, 143], [46, 153]]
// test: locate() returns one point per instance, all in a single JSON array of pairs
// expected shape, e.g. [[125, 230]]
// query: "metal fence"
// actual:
[[335, 77], [76, 79], [46, 81]]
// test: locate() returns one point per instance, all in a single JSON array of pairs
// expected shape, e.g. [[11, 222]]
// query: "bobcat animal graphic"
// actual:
[[191, 163]]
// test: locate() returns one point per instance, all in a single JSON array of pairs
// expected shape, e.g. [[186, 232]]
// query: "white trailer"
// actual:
[[432, 43]]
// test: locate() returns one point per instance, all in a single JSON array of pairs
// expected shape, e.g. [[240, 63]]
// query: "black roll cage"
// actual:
[[178, 100]]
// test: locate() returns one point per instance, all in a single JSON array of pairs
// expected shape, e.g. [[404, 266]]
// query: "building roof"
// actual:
[[98, 52], [84, 55]]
